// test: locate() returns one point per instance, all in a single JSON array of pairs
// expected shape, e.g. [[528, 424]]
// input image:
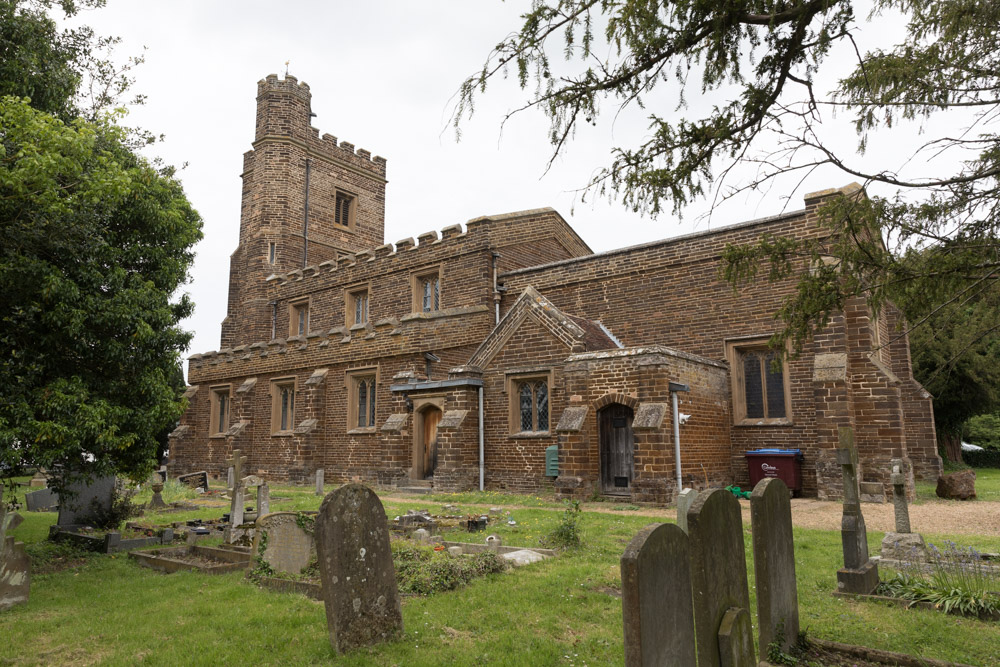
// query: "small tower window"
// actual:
[[272, 252], [343, 210]]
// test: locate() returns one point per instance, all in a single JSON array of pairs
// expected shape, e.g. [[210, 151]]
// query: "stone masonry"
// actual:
[[513, 317]]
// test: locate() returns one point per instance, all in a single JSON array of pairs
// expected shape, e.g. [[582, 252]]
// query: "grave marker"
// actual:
[[859, 574], [43, 500], [656, 598], [157, 500], [718, 573], [82, 498], [684, 500], [903, 544], [355, 562], [899, 504], [195, 480], [319, 482], [263, 499], [15, 567], [774, 563], [285, 541]]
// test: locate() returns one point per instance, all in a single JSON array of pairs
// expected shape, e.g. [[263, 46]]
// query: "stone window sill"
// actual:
[[216, 436], [362, 431], [528, 435], [765, 422], [282, 434]]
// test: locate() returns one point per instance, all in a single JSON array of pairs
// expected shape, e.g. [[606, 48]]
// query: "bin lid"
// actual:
[[786, 452]]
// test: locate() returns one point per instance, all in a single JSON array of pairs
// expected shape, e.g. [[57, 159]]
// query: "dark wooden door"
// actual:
[[617, 445], [432, 416]]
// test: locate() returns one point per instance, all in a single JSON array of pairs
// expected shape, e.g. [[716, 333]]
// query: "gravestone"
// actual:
[[15, 567], [656, 598], [237, 462], [902, 544], [684, 500], [774, 563], [718, 574], [230, 477], [195, 480], [43, 500], [421, 535], [157, 500], [859, 574], [263, 499], [285, 541], [736, 639], [38, 480], [355, 563], [319, 482], [82, 498]]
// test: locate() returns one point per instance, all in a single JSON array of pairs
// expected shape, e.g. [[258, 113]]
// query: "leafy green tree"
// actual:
[[96, 243], [764, 60]]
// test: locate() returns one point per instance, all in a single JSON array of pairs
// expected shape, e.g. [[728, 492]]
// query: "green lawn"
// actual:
[[559, 612], [987, 486]]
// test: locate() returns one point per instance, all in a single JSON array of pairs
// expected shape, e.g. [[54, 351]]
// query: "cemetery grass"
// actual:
[[987, 486], [564, 611]]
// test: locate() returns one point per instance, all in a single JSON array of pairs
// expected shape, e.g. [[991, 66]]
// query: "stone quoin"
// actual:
[[367, 360]]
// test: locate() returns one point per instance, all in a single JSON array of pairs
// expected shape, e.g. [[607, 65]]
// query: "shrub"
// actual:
[[121, 509], [566, 534], [983, 430], [987, 458]]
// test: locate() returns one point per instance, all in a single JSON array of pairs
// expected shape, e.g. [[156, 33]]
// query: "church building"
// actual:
[[504, 354]]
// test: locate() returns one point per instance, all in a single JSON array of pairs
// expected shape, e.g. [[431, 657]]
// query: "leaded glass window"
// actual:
[[287, 407], [365, 401], [431, 293], [533, 406], [763, 385]]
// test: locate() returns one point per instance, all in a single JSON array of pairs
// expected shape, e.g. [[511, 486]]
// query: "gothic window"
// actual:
[[361, 406], [272, 252], [427, 291], [760, 391], [283, 405], [533, 405], [357, 307]]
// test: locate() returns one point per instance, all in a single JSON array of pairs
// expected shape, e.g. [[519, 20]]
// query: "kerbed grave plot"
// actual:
[[210, 560]]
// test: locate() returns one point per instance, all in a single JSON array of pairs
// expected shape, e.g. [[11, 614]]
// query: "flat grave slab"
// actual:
[[210, 560]]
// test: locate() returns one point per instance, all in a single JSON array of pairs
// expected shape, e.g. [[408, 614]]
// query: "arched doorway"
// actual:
[[617, 448], [425, 450]]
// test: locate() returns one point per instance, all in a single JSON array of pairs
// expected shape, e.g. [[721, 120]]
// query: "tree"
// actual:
[[96, 242], [766, 58]]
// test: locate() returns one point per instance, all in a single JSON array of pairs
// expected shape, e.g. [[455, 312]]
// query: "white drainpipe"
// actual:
[[674, 388]]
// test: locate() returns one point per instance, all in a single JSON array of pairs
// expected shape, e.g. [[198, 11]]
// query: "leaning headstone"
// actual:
[[684, 500], [15, 567], [195, 480], [285, 541], [774, 563], [859, 574], [42, 500], [82, 499], [319, 482], [718, 571], [656, 598], [355, 563]]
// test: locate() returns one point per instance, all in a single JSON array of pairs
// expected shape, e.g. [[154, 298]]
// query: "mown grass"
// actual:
[[559, 612], [987, 486]]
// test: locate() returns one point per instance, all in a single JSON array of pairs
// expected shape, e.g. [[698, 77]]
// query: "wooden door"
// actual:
[[617, 445], [432, 416]]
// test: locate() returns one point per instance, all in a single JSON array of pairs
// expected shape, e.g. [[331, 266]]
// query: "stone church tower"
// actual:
[[306, 200]]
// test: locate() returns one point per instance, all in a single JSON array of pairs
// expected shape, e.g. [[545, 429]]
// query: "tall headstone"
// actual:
[[355, 564], [236, 514], [718, 572], [319, 482], [285, 541], [15, 567], [236, 484], [859, 574], [656, 598], [263, 499], [230, 477], [684, 500], [899, 504], [774, 563], [82, 499]]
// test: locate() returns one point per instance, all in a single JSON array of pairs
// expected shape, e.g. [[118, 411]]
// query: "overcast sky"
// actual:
[[383, 74]]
